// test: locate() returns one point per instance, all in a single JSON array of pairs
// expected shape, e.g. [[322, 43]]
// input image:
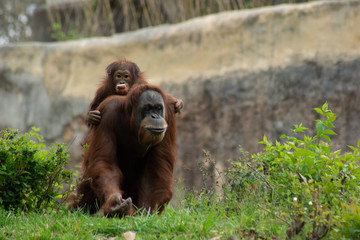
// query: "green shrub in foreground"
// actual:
[[304, 182], [30, 174]]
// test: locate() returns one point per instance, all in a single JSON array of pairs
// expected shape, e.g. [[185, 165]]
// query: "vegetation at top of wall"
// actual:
[[299, 187], [103, 18], [31, 175]]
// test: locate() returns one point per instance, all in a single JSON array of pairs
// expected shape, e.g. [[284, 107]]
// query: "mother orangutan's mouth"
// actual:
[[156, 130]]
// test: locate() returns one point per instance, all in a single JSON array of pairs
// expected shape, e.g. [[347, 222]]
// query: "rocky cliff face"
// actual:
[[241, 74]]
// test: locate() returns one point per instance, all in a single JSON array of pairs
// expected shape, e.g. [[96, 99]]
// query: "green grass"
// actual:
[[195, 219]]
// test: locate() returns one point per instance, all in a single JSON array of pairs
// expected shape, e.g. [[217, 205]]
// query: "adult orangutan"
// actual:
[[130, 159], [121, 76]]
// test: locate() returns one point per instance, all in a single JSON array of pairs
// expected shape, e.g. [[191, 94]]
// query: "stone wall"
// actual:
[[241, 74]]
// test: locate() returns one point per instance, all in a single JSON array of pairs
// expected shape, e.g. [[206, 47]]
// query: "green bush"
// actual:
[[303, 181], [30, 174]]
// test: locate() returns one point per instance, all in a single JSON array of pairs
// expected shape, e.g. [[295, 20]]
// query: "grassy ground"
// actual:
[[194, 219]]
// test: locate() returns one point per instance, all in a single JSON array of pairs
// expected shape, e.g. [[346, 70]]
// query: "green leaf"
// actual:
[[329, 132], [358, 143], [325, 107], [337, 152], [318, 110], [308, 139], [332, 118], [326, 138], [329, 124], [326, 150], [328, 114], [339, 164]]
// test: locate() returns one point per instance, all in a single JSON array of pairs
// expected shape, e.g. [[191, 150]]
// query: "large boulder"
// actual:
[[241, 74]]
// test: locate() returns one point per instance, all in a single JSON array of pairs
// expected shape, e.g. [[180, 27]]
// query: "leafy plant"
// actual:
[[302, 180], [30, 174]]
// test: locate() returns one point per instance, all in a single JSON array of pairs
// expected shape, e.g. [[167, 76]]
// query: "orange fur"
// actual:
[[115, 164]]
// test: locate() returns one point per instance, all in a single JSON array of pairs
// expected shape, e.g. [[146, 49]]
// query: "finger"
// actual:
[[97, 112], [96, 117], [179, 103], [118, 199]]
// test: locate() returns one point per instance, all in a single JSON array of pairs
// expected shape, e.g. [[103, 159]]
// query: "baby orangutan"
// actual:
[[121, 76]]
